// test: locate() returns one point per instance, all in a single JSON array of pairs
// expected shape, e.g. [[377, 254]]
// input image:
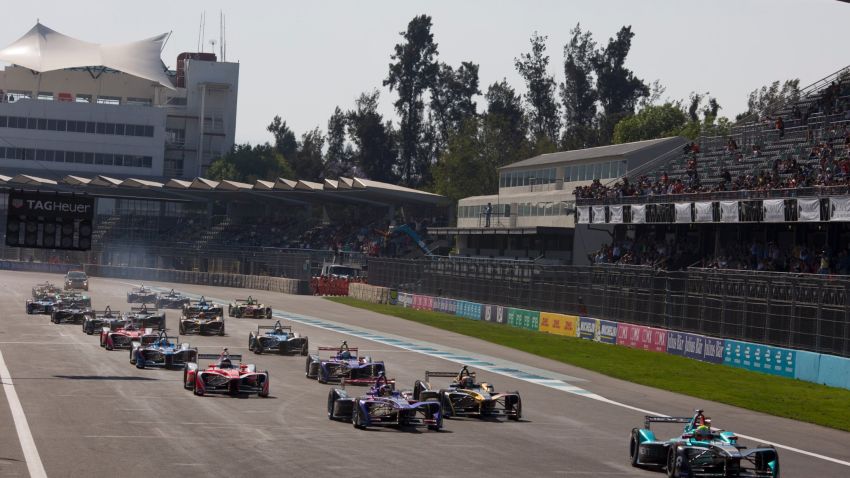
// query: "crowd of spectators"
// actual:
[[755, 256]]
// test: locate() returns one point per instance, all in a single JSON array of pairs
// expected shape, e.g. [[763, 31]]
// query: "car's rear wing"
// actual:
[[218, 356], [285, 328], [429, 374], [150, 310], [352, 350], [648, 419], [109, 313]]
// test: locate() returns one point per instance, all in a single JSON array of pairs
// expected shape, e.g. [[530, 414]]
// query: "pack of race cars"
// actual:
[[699, 451]]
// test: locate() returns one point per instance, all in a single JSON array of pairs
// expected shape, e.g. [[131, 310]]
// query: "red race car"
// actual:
[[124, 337], [223, 376]]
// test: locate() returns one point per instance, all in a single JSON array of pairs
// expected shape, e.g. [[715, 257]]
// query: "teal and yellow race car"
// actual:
[[700, 451]]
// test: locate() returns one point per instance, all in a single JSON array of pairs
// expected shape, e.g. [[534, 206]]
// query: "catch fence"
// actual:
[[806, 312]]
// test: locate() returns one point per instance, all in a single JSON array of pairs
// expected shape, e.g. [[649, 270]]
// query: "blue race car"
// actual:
[[700, 451], [344, 364], [43, 305], [163, 352], [382, 405], [278, 339]]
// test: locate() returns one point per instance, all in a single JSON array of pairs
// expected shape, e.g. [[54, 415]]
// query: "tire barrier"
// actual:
[[43, 267], [369, 293], [273, 284], [331, 285]]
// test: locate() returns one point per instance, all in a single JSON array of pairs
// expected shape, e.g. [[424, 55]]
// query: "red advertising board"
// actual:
[[642, 337], [658, 340]]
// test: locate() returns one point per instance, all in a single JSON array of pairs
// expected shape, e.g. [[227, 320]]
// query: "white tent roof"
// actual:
[[42, 49]]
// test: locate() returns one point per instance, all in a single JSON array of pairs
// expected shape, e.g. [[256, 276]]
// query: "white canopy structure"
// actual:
[[42, 49]]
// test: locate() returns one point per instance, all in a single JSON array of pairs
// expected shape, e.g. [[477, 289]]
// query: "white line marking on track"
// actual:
[[430, 349], [34, 464]]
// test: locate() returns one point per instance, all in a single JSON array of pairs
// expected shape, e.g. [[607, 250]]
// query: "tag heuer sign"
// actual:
[[49, 220]]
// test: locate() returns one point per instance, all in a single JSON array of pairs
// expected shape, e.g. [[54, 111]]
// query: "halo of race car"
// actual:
[[700, 450]]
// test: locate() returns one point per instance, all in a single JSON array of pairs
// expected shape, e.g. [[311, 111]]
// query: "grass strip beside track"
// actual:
[[779, 396]]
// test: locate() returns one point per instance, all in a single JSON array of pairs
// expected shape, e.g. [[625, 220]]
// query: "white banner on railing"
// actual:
[[808, 209], [598, 214], [616, 214], [728, 211], [583, 214], [774, 210], [839, 208], [639, 214], [703, 212], [683, 212]]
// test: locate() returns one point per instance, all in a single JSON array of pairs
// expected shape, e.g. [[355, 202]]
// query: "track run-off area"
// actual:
[[70, 408]]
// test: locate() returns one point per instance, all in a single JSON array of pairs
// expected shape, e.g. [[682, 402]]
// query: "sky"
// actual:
[[301, 59]]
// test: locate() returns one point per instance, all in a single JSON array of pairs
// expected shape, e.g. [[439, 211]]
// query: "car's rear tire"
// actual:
[[258, 349], [674, 463], [186, 378], [356, 420], [195, 388], [332, 396], [634, 447], [305, 349]]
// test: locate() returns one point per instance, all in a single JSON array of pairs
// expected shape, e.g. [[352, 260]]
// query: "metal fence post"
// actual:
[[767, 312], [819, 317]]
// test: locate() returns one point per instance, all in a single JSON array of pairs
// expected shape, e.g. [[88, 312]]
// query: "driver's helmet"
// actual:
[[385, 390], [467, 382], [202, 315], [344, 355], [225, 363], [702, 433]]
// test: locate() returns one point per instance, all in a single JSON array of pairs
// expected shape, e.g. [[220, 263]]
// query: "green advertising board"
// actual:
[[524, 319]]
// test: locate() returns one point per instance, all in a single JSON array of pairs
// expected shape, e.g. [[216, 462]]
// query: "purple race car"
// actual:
[[344, 364], [382, 405]]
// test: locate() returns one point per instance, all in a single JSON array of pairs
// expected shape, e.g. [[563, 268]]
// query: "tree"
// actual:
[[338, 159], [504, 127], [308, 162], [578, 93], [413, 72], [544, 116], [452, 96], [284, 138], [376, 151], [248, 163], [766, 100], [461, 170], [652, 122], [618, 88]]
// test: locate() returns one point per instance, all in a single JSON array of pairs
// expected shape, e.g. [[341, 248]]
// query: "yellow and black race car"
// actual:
[[465, 397]]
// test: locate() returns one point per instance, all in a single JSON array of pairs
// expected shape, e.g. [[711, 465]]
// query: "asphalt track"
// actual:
[[91, 413]]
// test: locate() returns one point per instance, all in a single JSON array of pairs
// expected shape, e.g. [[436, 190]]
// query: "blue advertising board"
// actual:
[[760, 358], [469, 310], [699, 347], [587, 328], [606, 332]]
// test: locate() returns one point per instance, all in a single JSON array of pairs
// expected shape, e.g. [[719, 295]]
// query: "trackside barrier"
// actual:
[[761, 358], [43, 267], [369, 293], [273, 284], [808, 366]]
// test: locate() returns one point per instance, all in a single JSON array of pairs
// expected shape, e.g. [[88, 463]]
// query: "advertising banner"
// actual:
[[808, 209], [524, 319], [728, 211], [405, 299], [447, 306], [558, 324], [606, 332], [704, 211], [839, 209], [598, 215], [423, 302], [583, 214], [494, 313], [616, 214], [393, 297], [683, 212], [695, 346], [630, 335], [587, 328], [760, 358], [638, 213], [468, 310], [657, 340], [774, 210]]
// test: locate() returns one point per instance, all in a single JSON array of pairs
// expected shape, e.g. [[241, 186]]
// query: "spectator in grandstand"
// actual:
[[731, 145], [780, 126]]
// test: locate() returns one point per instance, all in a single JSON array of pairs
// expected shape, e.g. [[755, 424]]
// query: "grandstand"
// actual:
[[786, 183]]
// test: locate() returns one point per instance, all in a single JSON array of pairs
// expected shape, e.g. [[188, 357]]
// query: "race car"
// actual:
[[45, 289], [700, 451], [278, 339], [76, 280], [172, 300], [73, 299], [202, 318], [344, 363], [248, 308], [143, 317], [382, 405], [163, 352], [223, 376], [465, 397], [43, 305], [124, 337], [74, 314], [141, 295], [104, 318]]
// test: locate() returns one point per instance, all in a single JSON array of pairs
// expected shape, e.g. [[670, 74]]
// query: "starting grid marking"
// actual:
[[487, 363]]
